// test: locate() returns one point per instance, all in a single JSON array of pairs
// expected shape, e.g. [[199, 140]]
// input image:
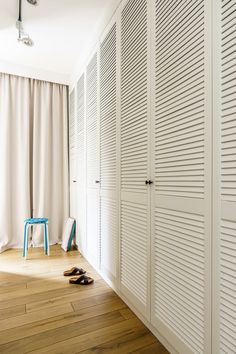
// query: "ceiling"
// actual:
[[63, 32]]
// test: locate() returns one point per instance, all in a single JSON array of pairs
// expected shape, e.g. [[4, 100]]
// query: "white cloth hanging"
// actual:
[[33, 158]]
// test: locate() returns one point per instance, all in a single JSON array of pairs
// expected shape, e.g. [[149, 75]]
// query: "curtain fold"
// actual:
[[33, 158]]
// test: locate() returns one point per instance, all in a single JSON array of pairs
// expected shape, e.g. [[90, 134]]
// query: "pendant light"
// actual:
[[23, 37]]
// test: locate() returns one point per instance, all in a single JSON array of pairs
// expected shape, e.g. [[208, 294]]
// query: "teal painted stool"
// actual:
[[34, 221]]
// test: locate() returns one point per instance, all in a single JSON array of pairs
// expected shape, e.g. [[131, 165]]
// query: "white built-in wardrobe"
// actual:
[[153, 167]]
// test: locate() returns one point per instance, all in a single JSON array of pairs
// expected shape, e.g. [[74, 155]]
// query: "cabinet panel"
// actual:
[[227, 286], [72, 126], [108, 110], [134, 145], [92, 138], [181, 195], [93, 240], [80, 184], [134, 102], [92, 163], [72, 154], [109, 234], [179, 274], [134, 252], [108, 153], [225, 259]]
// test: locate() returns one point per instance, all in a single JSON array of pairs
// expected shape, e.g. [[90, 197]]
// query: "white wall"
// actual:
[[39, 74]]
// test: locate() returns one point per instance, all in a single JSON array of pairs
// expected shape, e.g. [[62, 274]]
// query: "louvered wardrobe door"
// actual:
[[108, 168], [72, 154], [181, 215], [81, 192], [225, 260], [92, 161], [134, 212]]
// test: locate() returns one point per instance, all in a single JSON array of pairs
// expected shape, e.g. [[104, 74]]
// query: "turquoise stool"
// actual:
[[33, 221]]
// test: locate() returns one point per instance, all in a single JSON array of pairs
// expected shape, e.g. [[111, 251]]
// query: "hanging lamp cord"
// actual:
[[19, 18]]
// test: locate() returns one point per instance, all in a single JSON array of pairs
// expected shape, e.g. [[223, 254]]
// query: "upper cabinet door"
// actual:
[[134, 208], [72, 154], [181, 194], [224, 309], [92, 162], [80, 168], [92, 138], [80, 136], [72, 135], [108, 154]]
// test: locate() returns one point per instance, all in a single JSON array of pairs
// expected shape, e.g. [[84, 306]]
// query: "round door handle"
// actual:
[[97, 181], [74, 181]]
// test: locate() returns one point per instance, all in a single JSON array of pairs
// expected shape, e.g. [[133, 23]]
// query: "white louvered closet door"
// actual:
[[181, 205], [80, 184], [134, 208], [92, 162], [108, 153], [224, 339], [72, 154]]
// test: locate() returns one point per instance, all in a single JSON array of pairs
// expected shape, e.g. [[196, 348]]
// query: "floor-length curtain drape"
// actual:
[[33, 158]]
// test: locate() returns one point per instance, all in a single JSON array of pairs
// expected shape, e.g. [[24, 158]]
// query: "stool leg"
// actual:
[[29, 227], [31, 236], [25, 241], [48, 246], [45, 239]]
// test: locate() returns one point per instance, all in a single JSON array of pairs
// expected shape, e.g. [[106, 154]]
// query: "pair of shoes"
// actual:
[[80, 277]]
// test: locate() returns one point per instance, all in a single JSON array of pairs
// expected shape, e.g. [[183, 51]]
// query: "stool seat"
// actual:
[[36, 220], [30, 222]]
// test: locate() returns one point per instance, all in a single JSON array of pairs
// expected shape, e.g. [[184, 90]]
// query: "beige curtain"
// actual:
[[33, 158]]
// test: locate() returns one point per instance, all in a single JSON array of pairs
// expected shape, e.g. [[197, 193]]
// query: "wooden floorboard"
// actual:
[[40, 312]]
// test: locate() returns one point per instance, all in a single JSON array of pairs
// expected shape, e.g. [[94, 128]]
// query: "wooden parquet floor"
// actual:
[[40, 312]]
